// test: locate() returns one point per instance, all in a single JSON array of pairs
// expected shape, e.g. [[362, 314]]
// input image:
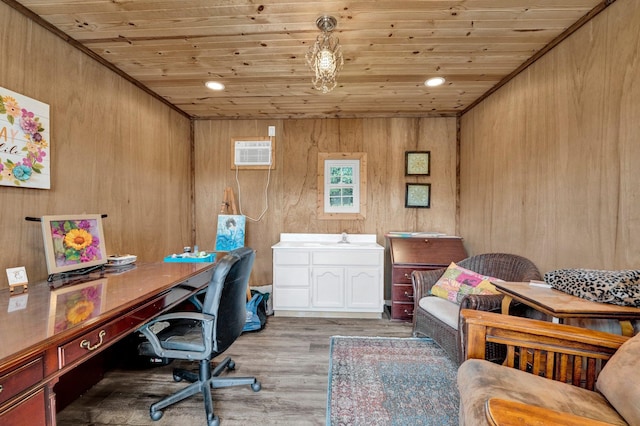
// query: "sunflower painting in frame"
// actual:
[[73, 242]]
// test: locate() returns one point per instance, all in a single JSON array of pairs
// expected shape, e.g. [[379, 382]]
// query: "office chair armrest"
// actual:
[[196, 316], [206, 320]]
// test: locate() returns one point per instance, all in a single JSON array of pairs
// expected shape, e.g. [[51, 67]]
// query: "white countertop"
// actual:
[[328, 241]]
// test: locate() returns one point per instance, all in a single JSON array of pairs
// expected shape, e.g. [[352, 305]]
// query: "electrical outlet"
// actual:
[[272, 130]]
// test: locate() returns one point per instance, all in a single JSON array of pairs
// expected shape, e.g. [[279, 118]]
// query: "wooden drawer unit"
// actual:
[[20, 379], [408, 254]]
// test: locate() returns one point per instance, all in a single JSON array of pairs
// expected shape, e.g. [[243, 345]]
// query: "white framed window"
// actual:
[[342, 185]]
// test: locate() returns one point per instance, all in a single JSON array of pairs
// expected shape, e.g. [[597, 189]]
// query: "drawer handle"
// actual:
[[407, 276], [408, 313], [87, 344], [1, 388], [409, 295]]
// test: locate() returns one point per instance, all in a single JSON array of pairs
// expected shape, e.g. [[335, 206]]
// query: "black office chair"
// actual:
[[204, 335]]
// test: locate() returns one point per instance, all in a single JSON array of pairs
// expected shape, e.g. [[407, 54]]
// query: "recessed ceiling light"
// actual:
[[435, 81], [214, 85]]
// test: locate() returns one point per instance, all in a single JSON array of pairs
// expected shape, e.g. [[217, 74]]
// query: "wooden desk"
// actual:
[[407, 254], [561, 305], [40, 343]]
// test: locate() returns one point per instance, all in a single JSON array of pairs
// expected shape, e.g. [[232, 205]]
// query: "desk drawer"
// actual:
[[402, 311], [26, 412], [402, 275], [101, 337], [20, 379], [402, 293]]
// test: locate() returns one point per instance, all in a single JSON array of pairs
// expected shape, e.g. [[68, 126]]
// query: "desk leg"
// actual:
[[626, 327], [506, 302], [51, 403]]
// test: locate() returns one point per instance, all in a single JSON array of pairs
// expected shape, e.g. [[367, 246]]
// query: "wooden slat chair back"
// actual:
[[539, 347]]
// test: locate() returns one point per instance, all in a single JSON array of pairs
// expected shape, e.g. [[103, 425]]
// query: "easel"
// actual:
[[229, 207], [228, 202]]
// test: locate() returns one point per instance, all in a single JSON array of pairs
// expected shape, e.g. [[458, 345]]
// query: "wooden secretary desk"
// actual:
[[46, 332], [415, 253]]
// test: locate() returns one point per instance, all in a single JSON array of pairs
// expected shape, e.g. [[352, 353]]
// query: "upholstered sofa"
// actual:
[[438, 318], [553, 374]]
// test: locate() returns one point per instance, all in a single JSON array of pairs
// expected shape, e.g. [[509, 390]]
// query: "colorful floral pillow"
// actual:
[[457, 282]]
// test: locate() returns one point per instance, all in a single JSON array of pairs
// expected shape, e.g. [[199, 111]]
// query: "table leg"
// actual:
[[506, 302]]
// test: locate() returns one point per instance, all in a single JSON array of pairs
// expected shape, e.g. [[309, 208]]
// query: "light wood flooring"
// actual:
[[290, 357]]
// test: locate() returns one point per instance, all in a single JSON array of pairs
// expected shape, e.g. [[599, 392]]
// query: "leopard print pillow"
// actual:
[[616, 287]]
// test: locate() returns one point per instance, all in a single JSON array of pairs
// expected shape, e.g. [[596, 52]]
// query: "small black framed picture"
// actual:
[[417, 163], [418, 195]]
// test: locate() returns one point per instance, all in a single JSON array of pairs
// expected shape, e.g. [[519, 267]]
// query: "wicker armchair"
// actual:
[[508, 267]]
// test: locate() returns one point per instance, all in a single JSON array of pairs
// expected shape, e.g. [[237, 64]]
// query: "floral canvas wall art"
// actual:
[[24, 141]]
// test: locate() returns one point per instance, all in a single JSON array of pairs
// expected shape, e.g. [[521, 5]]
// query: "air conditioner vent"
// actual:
[[252, 153]]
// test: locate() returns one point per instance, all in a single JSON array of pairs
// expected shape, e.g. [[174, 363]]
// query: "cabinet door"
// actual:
[[364, 288], [328, 287]]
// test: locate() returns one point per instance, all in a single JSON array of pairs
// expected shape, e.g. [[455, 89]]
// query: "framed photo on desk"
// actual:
[[73, 242]]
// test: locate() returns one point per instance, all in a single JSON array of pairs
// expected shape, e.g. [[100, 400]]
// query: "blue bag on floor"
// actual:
[[254, 321]]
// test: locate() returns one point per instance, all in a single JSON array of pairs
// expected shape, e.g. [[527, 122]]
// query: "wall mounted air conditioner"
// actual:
[[257, 153]]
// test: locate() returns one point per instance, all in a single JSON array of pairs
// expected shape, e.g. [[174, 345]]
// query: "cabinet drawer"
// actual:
[[101, 337], [290, 257], [347, 257], [20, 379], [291, 276], [403, 275], [402, 311], [26, 412], [402, 293], [291, 298]]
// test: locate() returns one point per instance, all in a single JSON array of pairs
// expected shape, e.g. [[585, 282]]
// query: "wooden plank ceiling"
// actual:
[[257, 49]]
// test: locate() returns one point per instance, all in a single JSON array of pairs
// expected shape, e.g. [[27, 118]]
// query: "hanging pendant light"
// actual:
[[325, 56]]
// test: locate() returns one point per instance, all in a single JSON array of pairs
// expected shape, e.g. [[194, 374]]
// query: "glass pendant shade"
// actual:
[[325, 56]]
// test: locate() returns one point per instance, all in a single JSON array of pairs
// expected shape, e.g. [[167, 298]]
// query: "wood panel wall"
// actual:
[[115, 150], [292, 187], [549, 163]]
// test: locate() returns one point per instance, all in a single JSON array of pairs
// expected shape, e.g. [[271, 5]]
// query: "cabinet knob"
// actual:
[[426, 241], [408, 313], [407, 276], [409, 295], [1, 388]]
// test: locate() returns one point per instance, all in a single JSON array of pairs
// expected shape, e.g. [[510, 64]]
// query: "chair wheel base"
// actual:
[[155, 415], [215, 421], [256, 386]]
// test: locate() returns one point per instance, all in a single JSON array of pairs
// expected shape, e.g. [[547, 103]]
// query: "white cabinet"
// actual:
[[314, 275]]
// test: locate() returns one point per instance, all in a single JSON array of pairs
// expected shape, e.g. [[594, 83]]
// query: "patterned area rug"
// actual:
[[390, 381]]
